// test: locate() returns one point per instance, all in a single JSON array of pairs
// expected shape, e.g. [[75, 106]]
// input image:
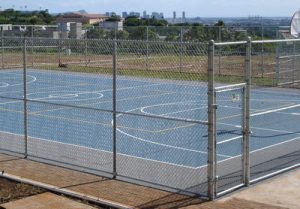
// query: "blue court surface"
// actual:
[[177, 137]]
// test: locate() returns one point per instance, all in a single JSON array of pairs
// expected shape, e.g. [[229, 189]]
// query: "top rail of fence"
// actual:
[[275, 41], [230, 43]]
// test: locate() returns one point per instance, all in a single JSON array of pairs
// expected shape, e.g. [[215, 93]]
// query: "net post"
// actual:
[[211, 169], [25, 97], [114, 109], [246, 131]]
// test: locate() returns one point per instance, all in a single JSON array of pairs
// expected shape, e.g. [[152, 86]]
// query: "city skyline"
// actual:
[[192, 8]]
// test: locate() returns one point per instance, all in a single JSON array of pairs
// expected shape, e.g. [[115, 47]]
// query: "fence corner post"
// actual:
[[211, 149]]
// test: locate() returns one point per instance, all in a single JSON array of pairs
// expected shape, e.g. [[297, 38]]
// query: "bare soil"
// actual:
[[11, 191]]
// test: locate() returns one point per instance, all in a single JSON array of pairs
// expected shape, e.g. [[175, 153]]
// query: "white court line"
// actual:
[[89, 104], [160, 144], [101, 150], [142, 109], [18, 84], [52, 99], [46, 88], [253, 151], [229, 140], [275, 110], [263, 129], [11, 102], [279, 93], [187, 110]]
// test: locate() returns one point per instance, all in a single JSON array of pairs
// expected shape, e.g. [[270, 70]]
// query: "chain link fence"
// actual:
[[131, 110], [195, 118], [170, 33]]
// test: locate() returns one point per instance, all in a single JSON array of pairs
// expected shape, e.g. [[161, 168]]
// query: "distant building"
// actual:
[[183, 17], [157, 15], [5, 27], [174, 15], [124, 14], [145, 14], [75, 30], [83, 18], [136, 14], [111, 25]]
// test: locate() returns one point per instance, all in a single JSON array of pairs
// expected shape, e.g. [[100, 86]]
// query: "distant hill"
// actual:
[[82, 11]]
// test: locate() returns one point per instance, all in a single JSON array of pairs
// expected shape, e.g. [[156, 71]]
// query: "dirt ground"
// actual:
[[11, 191]]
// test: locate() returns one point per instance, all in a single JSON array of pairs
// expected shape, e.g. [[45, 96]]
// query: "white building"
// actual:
[[5, 27], [111, 25]]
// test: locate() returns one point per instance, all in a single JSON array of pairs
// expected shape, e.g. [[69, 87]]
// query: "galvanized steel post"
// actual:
[[2, 48], [277, 68], [181, 49], [114, 109], [246, 134], [25, 97], [294, 65], [211, 171], [147, 47]]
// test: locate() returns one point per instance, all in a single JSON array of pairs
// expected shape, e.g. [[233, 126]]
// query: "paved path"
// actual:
[[45, 201], [277, 193]]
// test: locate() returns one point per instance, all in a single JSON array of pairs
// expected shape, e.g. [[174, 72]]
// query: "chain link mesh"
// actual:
[[161, 108]]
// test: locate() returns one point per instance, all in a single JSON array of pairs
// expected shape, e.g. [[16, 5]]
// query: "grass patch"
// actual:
[[169, 75]]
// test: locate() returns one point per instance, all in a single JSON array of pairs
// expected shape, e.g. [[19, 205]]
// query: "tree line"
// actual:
[[14, 17]]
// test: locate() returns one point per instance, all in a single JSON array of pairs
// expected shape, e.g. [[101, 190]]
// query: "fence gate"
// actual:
[[229, 135]]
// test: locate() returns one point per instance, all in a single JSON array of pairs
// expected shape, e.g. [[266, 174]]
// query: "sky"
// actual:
[[192, 8]]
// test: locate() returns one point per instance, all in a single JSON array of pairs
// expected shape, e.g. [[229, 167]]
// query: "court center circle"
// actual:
[[63, 96], [3, 84]]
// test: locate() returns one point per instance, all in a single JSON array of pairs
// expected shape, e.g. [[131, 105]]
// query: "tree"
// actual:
[[132, 21], [114, 18], [96, 33], [195, 33], [140, 33], [220, 23], [121, 34]]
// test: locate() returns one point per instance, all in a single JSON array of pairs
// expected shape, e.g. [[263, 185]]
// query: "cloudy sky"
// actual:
[[201, 8]]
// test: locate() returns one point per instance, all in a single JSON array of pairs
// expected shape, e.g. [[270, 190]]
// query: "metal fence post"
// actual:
[[246, 138], [86, 52], [277, 68], [262, 52], [59, 52], [181, 49], [211, 172], [114, 108], [2, 48], [25, 96], [147, 47], [293, 61]]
